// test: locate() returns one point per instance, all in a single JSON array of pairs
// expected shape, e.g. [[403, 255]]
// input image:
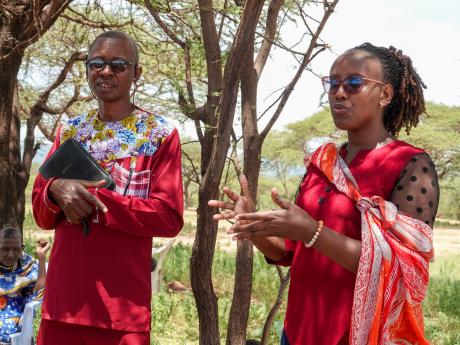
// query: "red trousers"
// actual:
[[60, 333]]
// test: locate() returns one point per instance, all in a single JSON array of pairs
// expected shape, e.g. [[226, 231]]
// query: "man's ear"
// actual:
[[386, 95], [137, 73]]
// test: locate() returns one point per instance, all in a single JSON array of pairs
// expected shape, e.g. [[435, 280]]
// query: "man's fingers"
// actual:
[[277, 199], [231, 194], [71, 215], [95, 201], [244, 184], [89, 184], [222, 204], [224, 216]]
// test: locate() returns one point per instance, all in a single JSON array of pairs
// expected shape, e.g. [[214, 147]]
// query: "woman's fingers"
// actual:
[[222, 204], [251, 235], [246, 227], [257, 216]]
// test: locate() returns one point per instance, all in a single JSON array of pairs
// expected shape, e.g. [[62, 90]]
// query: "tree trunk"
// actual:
[[9, 69], [187, 197], [203, 250], [19, 175], [239, 312], [22, 23], [203, 247]]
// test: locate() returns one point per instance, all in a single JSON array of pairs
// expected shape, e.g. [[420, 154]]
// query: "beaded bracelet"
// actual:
[[315, 235]]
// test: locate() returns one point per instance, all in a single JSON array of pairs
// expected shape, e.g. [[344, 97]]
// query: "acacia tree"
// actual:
[[33, 114], [21, 24], [225, 29], [65, 94]]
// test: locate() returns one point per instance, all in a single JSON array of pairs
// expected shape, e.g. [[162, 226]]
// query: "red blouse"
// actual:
[[321, 291]]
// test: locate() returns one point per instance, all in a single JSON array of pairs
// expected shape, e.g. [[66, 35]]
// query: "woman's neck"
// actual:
[[115, 111], [366, 140]]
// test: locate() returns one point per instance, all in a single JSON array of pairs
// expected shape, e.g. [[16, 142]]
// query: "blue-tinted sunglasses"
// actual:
[[352, 84]]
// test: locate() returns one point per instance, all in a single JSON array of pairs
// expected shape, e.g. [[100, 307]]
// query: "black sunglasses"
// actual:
[[116, 65], [352, 84]]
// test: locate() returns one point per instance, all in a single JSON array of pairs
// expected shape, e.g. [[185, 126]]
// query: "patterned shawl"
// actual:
[[392, 275], [24, 275]]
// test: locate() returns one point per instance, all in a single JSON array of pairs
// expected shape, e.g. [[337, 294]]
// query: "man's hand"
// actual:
[[41, 249], [241, 203], [74, 199]]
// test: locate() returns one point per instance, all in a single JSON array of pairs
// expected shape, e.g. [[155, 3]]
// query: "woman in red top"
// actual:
[[358, 238]]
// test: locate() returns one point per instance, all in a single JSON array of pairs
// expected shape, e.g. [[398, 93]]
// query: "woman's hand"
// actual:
[[290, 222], [41, 249], [241, 203], [74, 199]]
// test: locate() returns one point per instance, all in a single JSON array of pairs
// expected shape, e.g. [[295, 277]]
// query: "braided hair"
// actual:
[[407, 103]]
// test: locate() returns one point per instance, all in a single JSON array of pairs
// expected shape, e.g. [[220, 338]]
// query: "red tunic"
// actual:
[[321, 291], [103, 280]]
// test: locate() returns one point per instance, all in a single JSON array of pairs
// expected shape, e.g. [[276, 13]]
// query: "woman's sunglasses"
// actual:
[[352, 85], [116, 65]]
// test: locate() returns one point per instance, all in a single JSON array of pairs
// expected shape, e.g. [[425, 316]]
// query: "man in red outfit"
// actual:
[[98, 286]]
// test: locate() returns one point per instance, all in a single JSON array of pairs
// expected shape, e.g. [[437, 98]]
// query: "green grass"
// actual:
[[175, 321], [442, 303], [179, 309]]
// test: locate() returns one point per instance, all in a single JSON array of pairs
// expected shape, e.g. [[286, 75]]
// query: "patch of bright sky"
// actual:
[[425, 30]]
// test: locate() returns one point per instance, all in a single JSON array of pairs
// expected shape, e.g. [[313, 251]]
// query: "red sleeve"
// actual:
[[288, 255], [161, 214], [45, 211]]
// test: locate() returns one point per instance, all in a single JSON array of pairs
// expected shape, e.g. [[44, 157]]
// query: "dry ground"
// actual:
[[446, 240]]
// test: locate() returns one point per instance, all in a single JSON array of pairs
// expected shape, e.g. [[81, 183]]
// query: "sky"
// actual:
[[428, 31]]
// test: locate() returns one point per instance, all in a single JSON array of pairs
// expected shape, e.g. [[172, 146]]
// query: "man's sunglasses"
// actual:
[[116, 65], [352, 85]]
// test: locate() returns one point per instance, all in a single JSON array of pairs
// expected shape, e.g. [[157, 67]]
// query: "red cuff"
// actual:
[[286, 260], [46, 199]]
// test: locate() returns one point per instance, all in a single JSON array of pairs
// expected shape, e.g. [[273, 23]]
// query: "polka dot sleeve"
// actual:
[[417, 191]]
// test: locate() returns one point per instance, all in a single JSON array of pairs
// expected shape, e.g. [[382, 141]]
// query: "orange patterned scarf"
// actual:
[[392, 275]]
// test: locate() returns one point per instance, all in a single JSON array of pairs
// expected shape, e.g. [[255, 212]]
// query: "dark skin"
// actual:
[[11, 250], [361, 115], [112, 91]]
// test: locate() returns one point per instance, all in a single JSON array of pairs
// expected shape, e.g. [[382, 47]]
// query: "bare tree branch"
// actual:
[[284, 280], [163, 25], [222, 20], [269, 37], [76, 56], [85, 21], [329, 9], [195, 171], [44, 13]]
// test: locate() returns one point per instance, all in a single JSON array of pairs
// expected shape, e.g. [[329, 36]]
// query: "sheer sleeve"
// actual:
[[417, 191]]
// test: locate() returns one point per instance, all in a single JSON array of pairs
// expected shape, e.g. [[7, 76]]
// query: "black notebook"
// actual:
[[72, 161]]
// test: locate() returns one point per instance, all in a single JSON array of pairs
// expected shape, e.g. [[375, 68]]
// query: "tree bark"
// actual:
[[218, 143], [22, 23], [20, 176], [239, 312], [9, 69], [252, 148]]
